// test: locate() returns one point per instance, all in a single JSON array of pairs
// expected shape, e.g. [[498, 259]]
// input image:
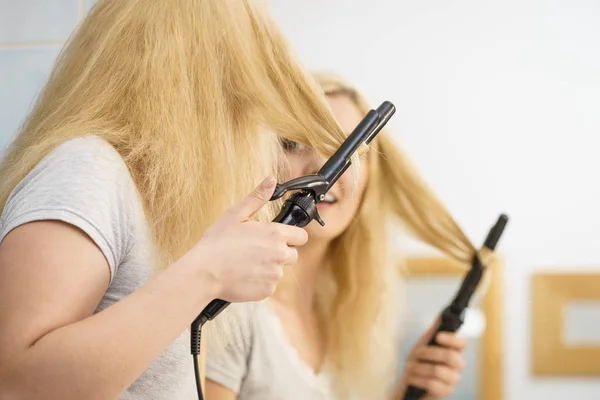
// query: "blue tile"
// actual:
[[23, 72], [37, 20]]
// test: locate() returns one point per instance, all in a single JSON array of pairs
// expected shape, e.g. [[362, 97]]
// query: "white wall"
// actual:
[[499, 106]]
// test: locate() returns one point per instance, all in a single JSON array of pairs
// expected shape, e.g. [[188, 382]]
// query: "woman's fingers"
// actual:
[[435, 388], [451, 340], [439, 372], [437, 369], [441, 355]]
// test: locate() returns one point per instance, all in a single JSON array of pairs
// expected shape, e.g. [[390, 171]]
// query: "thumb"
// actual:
[[255, 200]]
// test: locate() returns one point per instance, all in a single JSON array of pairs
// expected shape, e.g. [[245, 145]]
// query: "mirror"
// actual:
[[430, 284]]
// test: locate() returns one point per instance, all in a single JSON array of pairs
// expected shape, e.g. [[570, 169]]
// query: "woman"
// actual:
[[328, 333], [123, 199]]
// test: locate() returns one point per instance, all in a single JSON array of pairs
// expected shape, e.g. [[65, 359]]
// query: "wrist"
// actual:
[[196, 268]]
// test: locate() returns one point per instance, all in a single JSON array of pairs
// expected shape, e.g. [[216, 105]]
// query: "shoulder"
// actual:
[[234, 331], [228, 357], [83, 182], [90, 156], [80, 164]]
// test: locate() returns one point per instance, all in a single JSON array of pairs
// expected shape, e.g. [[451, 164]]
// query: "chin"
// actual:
[[327, 233]]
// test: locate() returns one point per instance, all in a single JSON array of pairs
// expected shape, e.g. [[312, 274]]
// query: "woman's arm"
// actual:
[[52, 277], [214, 391]]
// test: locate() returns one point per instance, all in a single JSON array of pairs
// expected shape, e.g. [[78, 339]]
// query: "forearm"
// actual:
[[215, 391], [99, 357]]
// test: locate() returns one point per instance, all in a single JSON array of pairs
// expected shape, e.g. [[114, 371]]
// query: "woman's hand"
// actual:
[[436, 369], [244, 258]]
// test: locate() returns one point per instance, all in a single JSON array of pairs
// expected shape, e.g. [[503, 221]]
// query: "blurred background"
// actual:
[[498, 106]]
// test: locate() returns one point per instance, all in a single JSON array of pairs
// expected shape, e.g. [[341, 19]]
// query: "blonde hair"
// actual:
[[182, 90], [190, 93], [360, 308]]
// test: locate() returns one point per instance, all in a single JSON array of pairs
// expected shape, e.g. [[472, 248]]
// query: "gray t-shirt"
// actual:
[[259, 363], [85, 182]]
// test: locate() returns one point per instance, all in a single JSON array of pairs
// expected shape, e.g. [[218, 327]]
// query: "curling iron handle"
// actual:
[[213, 309], [296, 211], [450, 321]]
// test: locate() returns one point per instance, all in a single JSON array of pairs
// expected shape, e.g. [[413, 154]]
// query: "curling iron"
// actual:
[[301, 208], [452, 316]]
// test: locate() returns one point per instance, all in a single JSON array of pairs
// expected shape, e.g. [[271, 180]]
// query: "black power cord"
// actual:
[[195, 342], [198, 382]]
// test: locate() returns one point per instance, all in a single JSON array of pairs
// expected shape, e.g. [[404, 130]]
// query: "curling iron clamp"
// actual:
[[301, 207], [452, 317]]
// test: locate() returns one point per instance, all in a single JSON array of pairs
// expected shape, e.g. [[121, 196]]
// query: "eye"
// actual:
[[289, 146]]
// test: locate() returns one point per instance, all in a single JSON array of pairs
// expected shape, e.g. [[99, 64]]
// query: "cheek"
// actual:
[[352, 189], [353, 192], [293, 167], [363, 180]]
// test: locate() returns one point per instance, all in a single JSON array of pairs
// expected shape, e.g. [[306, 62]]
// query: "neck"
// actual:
[[311, 259]]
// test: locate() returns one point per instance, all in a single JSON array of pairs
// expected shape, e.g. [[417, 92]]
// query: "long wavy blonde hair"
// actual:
[[190, 93], [193, 94], [358, 296]]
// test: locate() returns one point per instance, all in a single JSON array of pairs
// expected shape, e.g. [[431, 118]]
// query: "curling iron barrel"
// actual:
[[452, 317]]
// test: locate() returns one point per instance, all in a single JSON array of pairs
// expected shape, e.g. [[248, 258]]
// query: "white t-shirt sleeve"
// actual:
[[85, 183], [229, 366]]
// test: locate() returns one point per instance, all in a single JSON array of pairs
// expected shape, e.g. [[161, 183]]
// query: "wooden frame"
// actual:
[[491, 384], [550, 355]]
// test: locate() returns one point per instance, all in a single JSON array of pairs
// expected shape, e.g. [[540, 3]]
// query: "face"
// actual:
[[343, 199]]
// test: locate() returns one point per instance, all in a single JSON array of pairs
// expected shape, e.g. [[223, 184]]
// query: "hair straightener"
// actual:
[[301, 208], [452, 316]]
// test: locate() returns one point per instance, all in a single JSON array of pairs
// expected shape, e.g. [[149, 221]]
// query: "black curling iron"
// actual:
[[452, 316], [301, 208]]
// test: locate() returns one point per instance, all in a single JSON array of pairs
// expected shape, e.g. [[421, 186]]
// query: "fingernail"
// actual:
[[268, 182]]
